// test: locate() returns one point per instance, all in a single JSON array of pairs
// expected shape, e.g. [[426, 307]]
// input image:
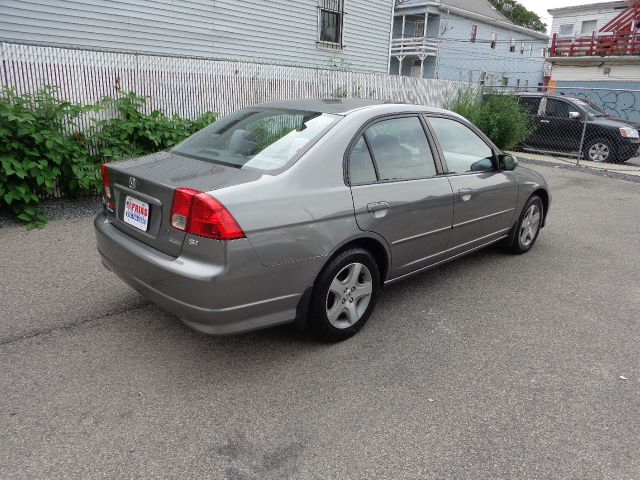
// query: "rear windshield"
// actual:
[[258, 139]]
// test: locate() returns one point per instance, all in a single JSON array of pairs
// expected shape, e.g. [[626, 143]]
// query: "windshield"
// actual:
[[590, 108], [258, 139]]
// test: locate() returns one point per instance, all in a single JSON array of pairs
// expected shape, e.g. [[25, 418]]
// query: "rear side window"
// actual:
[[400, 149], [531, 104], [463, 149], [361, 169]]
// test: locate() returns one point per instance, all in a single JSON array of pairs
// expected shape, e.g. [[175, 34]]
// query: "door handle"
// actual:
[[465, 194], [379, 209], [545, 121]]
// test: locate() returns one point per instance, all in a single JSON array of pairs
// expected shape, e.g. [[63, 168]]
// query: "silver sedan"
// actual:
[[300, 211]]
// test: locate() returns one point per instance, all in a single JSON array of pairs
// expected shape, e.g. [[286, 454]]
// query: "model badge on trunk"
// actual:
[[132, 183]]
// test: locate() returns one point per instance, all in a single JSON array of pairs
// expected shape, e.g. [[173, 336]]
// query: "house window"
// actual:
[[494, 40], [530, 50], [543, 53], [588, 27], [330, 22], [483, 78], [512, 45], [474, 33], [522, 48], [566, 30], [526, 84], [505, 81], [518, 83], [418, 30]]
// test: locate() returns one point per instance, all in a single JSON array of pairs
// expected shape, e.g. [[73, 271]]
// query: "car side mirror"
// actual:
[[574, 115], [508, 162]]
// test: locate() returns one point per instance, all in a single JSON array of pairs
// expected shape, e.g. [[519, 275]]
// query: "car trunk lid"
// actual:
[[146, 185]]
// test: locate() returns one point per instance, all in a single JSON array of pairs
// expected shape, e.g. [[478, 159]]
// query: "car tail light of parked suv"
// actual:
[[200, 214]]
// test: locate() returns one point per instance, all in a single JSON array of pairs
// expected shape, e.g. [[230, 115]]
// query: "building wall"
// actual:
[[281, 31], [459, 59], [628, 73], [602, 15]]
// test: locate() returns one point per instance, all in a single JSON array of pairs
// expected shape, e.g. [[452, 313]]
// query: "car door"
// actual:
[[399, 191], [560, 132], [484, 197]]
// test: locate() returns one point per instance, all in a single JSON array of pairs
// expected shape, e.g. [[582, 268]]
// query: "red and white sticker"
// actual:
[[136, 213]]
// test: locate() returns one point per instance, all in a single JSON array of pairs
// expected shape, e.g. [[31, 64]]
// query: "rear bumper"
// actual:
[[212, 298]]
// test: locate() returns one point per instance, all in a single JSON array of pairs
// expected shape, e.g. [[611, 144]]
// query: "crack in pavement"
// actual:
[[69, 326]]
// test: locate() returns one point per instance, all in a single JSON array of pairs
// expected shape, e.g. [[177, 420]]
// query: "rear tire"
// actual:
[[528, 227], [344, 295]]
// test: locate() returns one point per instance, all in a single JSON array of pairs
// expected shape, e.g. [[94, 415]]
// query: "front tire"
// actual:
[[529, 225], [344, 295], [601, 150]]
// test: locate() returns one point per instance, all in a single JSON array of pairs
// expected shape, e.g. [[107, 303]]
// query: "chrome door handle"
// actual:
[[545, 121], [378, 207], [465, 194]]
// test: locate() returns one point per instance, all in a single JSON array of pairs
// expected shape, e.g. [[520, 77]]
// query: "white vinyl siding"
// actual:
[[279, 31]]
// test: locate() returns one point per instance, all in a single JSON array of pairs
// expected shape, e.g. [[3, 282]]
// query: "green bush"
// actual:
[[499, 116], [41, 145], [132, 132]]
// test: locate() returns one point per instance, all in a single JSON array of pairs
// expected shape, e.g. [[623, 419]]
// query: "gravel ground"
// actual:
[[62, 209], [493, 367]]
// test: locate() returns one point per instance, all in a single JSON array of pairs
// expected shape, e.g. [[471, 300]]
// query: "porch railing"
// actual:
[[414, 46], [602, 44]]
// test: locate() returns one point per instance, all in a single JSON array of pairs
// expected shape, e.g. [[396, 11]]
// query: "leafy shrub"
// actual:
[[41, 145], [132, 132], [499, 116]]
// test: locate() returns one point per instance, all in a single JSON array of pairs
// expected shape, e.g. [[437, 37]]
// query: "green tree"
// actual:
[[519, 15]]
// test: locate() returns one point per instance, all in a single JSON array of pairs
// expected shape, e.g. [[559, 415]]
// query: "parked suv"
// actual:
[[561, 122]]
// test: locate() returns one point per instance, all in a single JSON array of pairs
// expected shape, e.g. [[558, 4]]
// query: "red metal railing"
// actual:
[[599, 44]]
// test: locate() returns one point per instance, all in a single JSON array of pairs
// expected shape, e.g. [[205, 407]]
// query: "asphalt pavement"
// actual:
[[493, 367]]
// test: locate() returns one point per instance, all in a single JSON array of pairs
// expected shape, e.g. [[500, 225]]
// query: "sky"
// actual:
[[541, 6]]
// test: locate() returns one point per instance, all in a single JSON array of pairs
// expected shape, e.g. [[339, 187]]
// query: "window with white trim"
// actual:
[[512, 45], [474, 33], [566, 30], [330, 23], [521, 48], [494, 40]]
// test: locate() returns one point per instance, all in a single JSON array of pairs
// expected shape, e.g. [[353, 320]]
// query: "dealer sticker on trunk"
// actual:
[[136, 213]]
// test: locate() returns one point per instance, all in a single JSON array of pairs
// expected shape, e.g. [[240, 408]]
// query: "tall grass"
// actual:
[[500, 116]]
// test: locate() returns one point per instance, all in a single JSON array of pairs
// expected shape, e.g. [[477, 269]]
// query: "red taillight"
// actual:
[[182, 199], [106, 187], [202, 215]]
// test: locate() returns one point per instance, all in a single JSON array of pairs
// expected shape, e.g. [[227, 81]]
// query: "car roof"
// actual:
[[548, 95], [343, 106]]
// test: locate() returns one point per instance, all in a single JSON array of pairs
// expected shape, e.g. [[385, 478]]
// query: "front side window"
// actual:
[[330, 22], [257, 139], [531, 104], [400, 150], [557, 108], [464, 151]]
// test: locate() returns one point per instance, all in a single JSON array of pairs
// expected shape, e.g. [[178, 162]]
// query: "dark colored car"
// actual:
[[562, 121]]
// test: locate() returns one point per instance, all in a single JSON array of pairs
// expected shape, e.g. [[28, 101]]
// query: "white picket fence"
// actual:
[[192, 86]]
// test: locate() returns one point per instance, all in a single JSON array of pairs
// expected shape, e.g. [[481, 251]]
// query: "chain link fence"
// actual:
[[582, 126]]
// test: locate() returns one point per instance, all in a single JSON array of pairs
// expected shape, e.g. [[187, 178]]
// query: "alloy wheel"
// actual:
[[530, 226], [599, 152], [349, 295]]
